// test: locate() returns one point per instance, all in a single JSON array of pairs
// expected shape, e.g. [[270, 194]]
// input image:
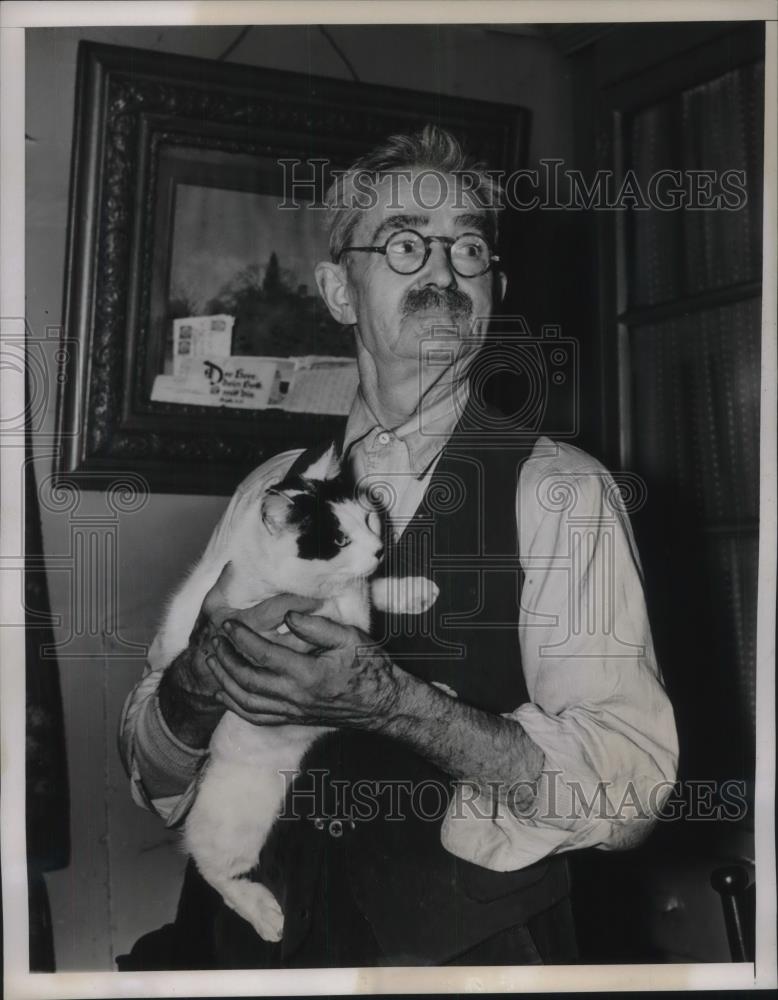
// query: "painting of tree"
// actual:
[[277, 317], [234, 252]]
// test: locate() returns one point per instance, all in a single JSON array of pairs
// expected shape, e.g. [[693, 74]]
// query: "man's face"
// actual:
[[395, 312]]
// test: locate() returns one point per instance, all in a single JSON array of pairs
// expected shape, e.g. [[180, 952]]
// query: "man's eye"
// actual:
[[470, 249], [404, 245]]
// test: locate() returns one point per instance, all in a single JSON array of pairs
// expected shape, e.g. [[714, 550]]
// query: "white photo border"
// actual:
[[19, 983]]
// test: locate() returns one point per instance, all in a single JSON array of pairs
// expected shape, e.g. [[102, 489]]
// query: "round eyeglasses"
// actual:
[[407, 252]]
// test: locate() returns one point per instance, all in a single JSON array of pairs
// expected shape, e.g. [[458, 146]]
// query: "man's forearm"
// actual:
[[190, 713], [469, 744]]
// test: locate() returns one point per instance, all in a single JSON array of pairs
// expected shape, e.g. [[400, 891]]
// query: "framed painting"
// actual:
[[203, 347]]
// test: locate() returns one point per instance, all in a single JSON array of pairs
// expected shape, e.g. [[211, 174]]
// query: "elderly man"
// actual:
[[560, 737]]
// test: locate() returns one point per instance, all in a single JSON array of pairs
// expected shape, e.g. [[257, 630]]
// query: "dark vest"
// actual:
[[424, 905]]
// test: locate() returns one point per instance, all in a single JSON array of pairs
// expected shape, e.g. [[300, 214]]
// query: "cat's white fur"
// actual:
[[242, 786]]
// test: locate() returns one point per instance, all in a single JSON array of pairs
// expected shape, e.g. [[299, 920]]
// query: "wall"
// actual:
[[125, 868]]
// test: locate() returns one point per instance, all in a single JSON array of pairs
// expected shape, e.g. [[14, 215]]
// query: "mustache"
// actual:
[[451, 300]]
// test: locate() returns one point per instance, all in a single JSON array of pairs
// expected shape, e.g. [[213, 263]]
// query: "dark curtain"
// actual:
[[694, 385], [47, 795]]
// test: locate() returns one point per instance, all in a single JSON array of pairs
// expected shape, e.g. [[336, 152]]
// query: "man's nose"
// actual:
[[438, 270]]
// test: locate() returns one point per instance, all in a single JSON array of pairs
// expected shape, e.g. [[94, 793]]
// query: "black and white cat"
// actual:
[[308, 535]]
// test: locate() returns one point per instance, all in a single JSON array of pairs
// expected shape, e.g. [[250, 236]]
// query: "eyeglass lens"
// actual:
[[406, 252]]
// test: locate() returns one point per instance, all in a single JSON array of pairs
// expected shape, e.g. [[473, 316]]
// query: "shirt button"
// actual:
[[384, 437]]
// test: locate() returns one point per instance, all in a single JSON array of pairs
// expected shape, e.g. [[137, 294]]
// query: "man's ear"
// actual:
[[333, 288], [501, 284]]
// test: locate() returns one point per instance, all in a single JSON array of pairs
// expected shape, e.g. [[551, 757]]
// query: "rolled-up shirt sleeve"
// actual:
[[597, 707], [163, 771]]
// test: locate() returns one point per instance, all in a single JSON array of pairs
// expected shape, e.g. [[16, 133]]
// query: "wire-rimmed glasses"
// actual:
[[407, 252]]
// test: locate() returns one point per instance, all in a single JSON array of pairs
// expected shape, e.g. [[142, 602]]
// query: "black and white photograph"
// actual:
[[389, 497]]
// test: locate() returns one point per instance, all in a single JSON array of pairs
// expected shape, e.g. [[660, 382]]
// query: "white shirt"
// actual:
[[400, 462], [597, 707]]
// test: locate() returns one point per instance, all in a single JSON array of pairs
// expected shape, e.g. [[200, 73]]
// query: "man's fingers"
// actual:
[[261, 652], [255, 718], [256, 693], [269, 614], [323, 633]]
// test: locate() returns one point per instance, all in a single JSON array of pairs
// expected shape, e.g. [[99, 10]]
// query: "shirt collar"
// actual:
[[425, 433]]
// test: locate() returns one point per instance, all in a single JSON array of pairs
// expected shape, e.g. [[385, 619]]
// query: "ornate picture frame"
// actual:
[[144, 121]]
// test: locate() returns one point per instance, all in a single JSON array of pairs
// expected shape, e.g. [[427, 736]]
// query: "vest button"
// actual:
[[319, 823], [336, 828]]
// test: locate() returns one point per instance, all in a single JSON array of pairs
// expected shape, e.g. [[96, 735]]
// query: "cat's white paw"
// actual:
[[422, 594], [268, 921], [445, 688], [407, 595], [257, 904]]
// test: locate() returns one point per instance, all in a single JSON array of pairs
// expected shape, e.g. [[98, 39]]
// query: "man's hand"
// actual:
[[345, 679], [187, 691]]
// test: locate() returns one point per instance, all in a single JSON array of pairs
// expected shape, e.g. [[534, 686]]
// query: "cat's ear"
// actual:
[[275, 510], [326, 466]]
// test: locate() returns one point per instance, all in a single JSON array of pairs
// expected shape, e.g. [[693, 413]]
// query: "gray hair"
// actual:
[[431, 149]]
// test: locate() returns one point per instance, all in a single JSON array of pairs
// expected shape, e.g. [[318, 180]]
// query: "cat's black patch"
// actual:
[[319, 530]]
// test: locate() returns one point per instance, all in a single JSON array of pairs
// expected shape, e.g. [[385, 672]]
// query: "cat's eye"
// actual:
[[341, 540]]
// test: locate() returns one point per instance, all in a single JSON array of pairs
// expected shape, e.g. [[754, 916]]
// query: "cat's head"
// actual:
[[323, 530]]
